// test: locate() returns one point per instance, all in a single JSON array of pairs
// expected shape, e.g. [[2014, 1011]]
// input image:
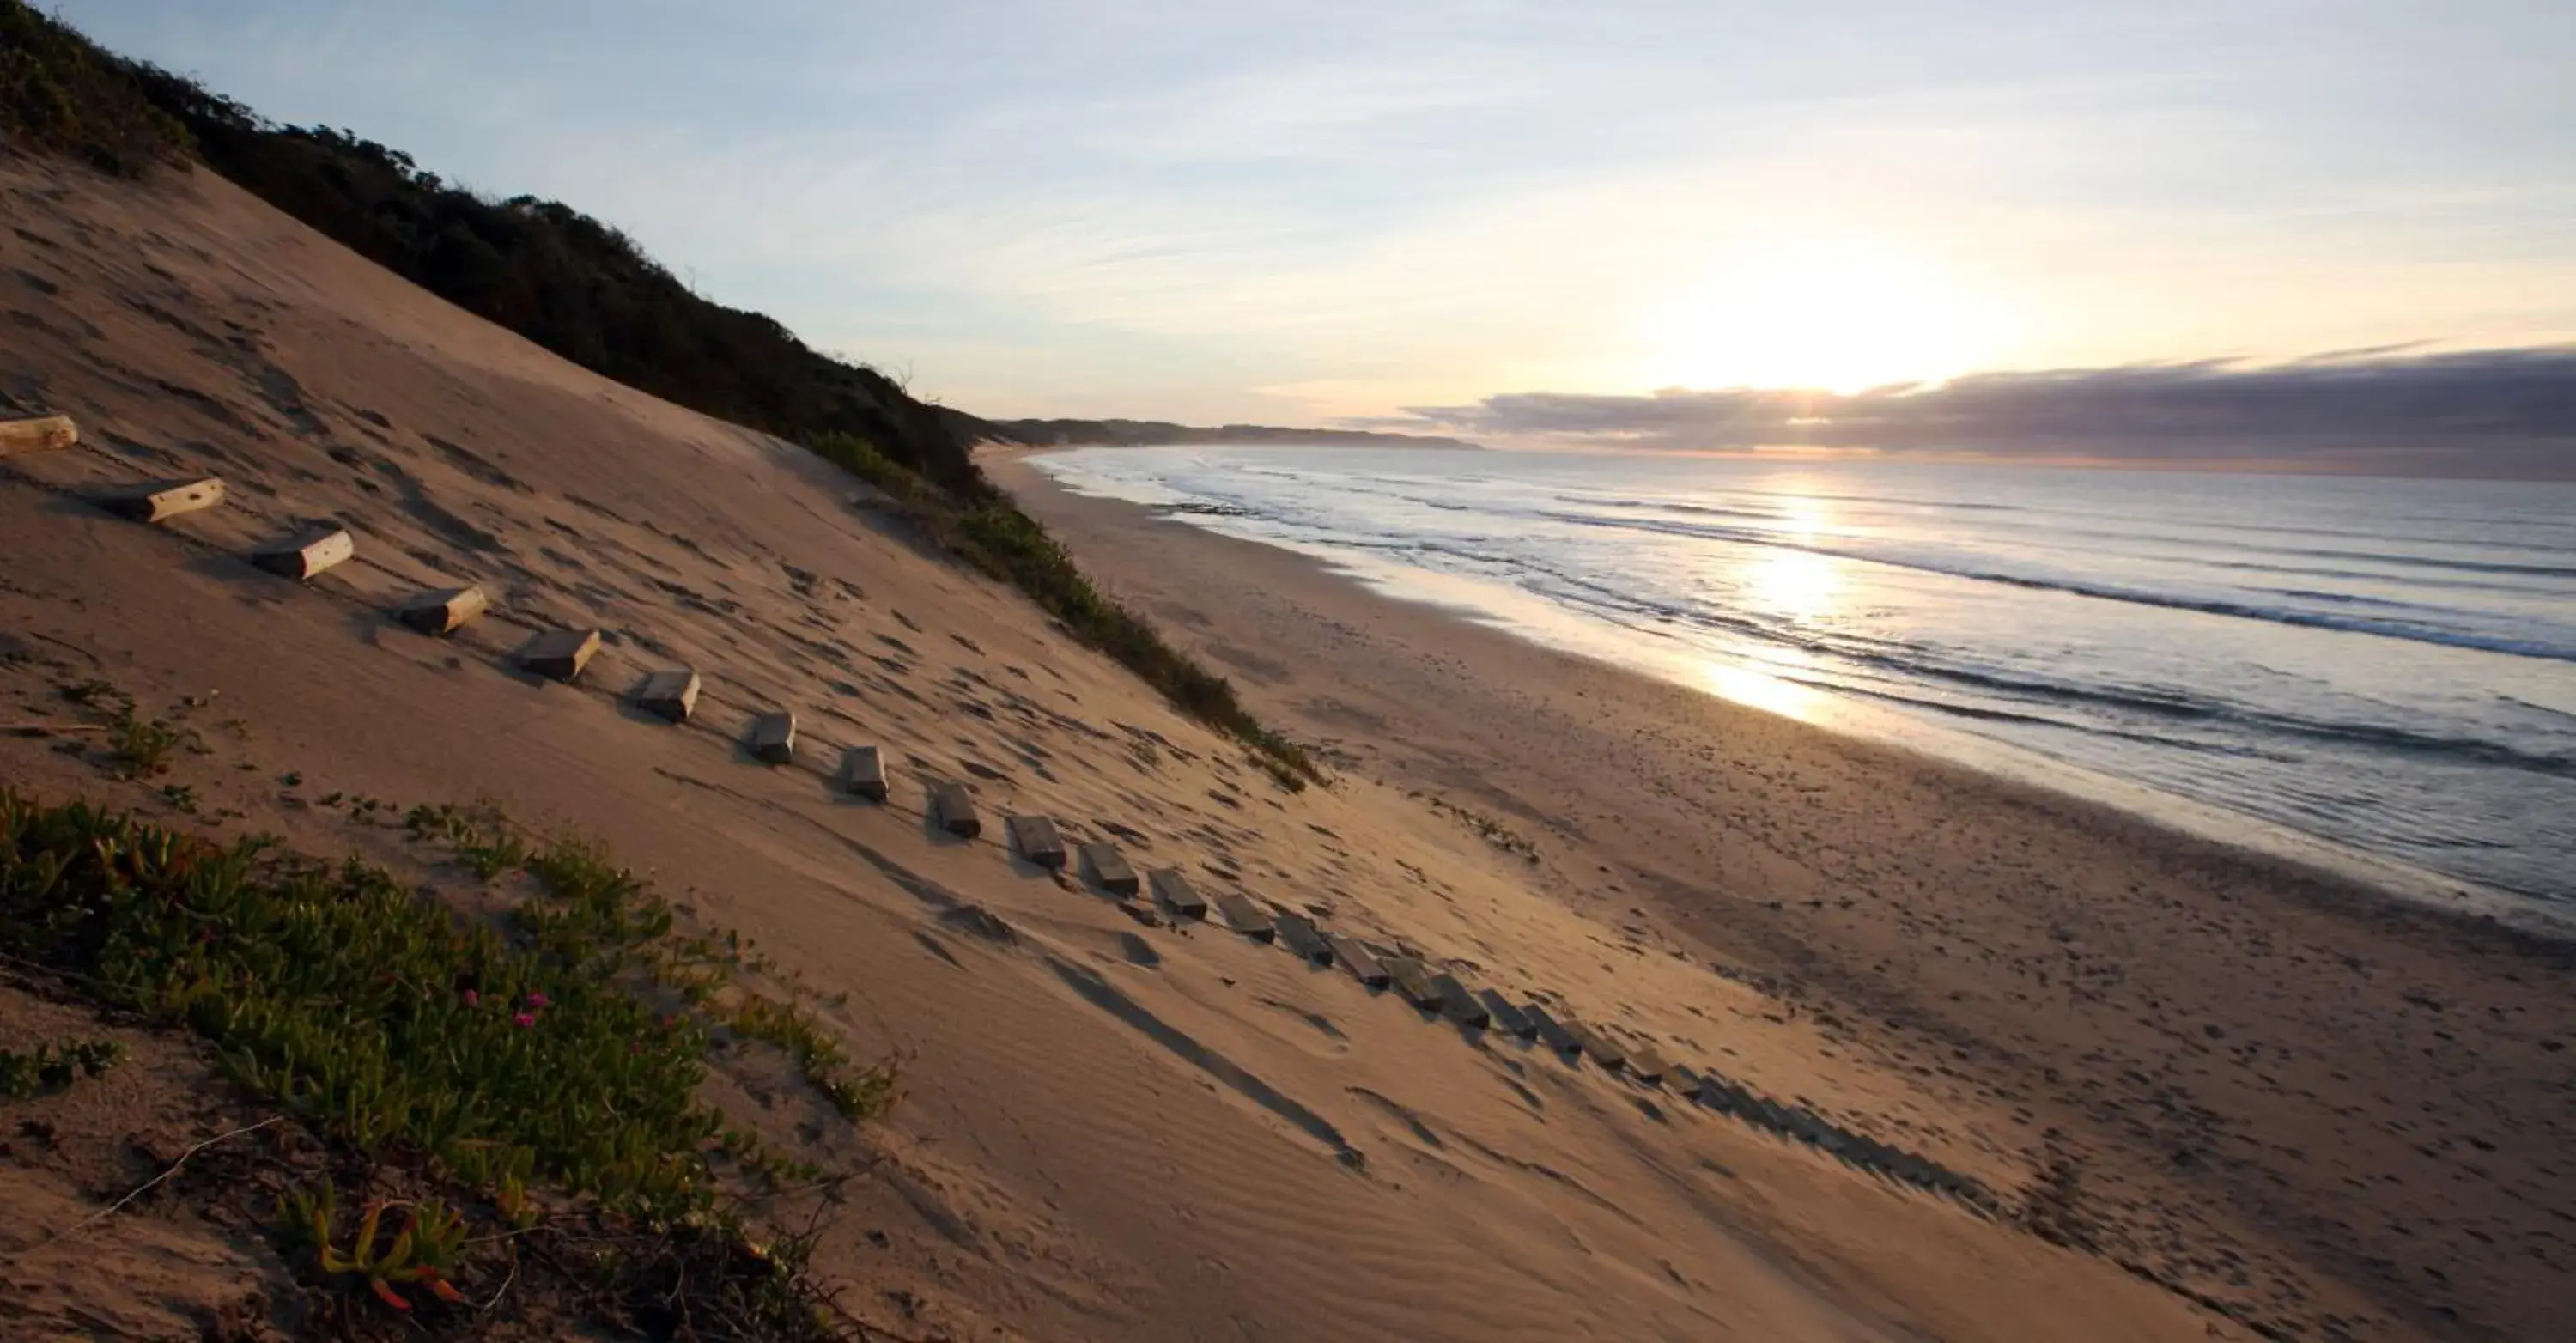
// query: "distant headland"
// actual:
[[1156, 433]]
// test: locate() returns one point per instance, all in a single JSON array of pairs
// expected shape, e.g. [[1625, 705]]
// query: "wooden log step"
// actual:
[[1412, 981], [863, 773], [1599, 1048], [560, 654], [1034, 838], [443, 611], [772, 739], [162, 500], [1508, 1019], [1245, 917], [37, 435], [1551, 1032], [1359, 960], [1107, 869], [671, 694], [1723, 1096], [1173, 892], [1297, 933], [952, 809], [306, 554], [1457, 1003], [303, 556]]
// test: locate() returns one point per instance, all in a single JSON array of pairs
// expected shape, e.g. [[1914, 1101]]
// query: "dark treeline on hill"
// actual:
[[585, 291], [564, 280], [1155, 433], [542, 269]]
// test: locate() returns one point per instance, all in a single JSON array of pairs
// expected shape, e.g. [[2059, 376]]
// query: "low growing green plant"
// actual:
[[51, 1068], [379, 1016], [825, 1065], [421, 1253]]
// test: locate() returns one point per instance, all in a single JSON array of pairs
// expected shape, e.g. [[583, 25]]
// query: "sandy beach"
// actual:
[[2267, 1083], [2210, 1097]]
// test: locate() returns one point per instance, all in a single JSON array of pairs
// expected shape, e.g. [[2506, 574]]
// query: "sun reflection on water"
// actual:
[[1797, 585], [1760, 689]]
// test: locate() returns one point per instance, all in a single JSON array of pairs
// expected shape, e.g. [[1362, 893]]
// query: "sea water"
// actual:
[[2385, 666]]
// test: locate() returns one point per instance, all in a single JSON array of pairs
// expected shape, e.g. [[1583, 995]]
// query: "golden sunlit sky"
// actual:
[[1296, 213]]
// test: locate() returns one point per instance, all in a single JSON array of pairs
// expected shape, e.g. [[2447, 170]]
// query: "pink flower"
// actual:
[[538, 1000], [473, 999], [524, 1019]]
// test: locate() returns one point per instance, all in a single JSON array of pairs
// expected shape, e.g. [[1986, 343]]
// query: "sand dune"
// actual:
[[1114, 1129]]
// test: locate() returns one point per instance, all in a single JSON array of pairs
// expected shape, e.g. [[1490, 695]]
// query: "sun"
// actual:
[[1833, 317]]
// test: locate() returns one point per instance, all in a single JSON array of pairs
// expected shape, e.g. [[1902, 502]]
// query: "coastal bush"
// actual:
[[61, 95]]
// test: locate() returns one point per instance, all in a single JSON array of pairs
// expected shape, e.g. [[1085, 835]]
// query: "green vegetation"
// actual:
[[584, 290], [422, 1252], [50, 1068], [566, 1048], [61, 95], [137, 748], [479, 836], [372, 1013]]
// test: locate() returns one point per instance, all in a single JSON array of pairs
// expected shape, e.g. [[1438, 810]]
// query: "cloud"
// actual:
[[2508, 412]]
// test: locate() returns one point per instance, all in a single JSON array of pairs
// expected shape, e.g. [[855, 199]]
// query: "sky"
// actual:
[[1417, 212]]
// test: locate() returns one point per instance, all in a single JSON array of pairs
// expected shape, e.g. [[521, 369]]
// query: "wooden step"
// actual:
[[952, 809], [162, 500], [37, 435], [302, 556], [863, 773], [1173, 892], [1598, 1047], [560, 654], [1508, 1019], [1297, 933], [1108, 869], [1243, 916], [1552, 1032], [1034, 838], [1411, 980], [671, 694], [1457, 1004], [444, 611], [1358, 959], [772, 739]]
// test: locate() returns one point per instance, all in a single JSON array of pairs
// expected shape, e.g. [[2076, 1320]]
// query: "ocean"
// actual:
[[2378, 672]]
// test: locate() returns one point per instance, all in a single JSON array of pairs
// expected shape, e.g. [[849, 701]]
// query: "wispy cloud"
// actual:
[[2508, 413]]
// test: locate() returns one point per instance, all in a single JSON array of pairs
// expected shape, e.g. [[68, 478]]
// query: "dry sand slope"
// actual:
[[1113, 1131]]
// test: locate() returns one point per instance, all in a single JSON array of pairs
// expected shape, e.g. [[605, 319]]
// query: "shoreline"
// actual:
[[2235, 1047], [2229, 833]]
